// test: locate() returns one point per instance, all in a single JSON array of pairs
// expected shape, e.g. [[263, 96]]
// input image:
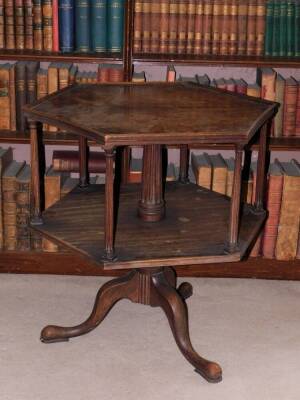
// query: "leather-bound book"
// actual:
[[4, 97], [230, 85], [19, 24], [53, 85], [282, 28], [241, 86], [98, 25], [47, 21], [115, 23], [219, 173], [42, 83], [146, 26], [288, 229], [297, 28], [171, 73], [290, 28], [297, 129], [225, 27], [198, 27], [23, 208], [9, 188], [9, 19], [73, 72], [20, 72], [253, 89], [64, 75], [6, 158], [233, 27], [2, 25], [266, 78], [182, 27], [191, 28], [260, 27], [202, 169], [276, 29], [82, 30], [289, 107], [279, 97], [28, 15], [116, 73], [37, 25], [173, 26], [207, 26], [251, 27], [66, 25], [103, 73], [68, 160], [274, 195], [154, 26], [269, 27], [31, 81], [55, 29], [217, 27], [138, 26], [247, 187], [164, 26], [242, 27], [230, 173], [12, 97]]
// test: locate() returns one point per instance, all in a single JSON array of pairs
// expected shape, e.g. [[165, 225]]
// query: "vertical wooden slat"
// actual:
[[36, 218], [109, 204], [184, 164], [83, 162], [261, 167], [128, 39]]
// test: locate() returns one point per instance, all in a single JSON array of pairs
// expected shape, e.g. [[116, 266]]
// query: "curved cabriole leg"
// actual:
[[175, 308], [109, 294]]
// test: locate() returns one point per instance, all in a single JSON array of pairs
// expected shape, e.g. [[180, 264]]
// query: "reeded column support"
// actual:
[[261, 166], [184, 164], [36, 218], [83, 162], [235, 202], [151, 207], [109, 204]]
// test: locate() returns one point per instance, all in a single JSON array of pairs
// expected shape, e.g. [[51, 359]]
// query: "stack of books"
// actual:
[[62, 25]]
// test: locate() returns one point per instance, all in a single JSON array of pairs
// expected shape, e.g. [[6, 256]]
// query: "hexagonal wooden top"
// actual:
[[156, 113]]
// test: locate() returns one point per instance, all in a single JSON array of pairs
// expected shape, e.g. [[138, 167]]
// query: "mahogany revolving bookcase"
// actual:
[[152, 227]]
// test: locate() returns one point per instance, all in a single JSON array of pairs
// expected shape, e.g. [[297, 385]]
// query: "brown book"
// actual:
[[42, 83], [207, 26], [23, 208], [297, 129], [9, 187], [219, 173], [191, 27], [73, 72], [31, 81], [274, 195], [202, 169], [230, 85], [253, 89], [103, 73], [260, 27], [164, 26], [266, 78], [182, 27], [53, 85], [288, 229], [6, 157], [68, 160], [47, 21], [20, 74], [279, 97], [154, 26], [28, 17], [9, 17], [233, 27], [251, 27], [198, 28], [63, 75], [241, 86], [242, 27], [37, 25], [146, 26], [116, 73], [2, 25], [19, 24], [225, 27], [289, 107], [173, 26], [171, 73], [4, 97], [247, 187], [138, 25], [217, 24], [53, 183], [12, 98]]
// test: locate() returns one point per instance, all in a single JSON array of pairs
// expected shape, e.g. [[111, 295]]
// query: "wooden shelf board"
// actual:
[[34, 55], [233, 61]]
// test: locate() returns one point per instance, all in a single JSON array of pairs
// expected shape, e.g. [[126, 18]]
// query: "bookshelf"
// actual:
[[38, 262]]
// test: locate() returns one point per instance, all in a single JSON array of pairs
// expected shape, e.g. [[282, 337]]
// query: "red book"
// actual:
[[241, 86], [55, 33], [297, 131], [68, 161], [289, 107], [274, 195]]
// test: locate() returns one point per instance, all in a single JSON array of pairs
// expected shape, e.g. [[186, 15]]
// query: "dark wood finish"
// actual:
[[35, 174], [128, 39], [152, 288], [151, 207], [184, 164], [83, 162], [109, 202], [261, 167]]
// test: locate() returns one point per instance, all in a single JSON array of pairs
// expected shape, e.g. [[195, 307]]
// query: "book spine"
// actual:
[[37, 25], [20, 94], [182, 27], [297, 28], [12, 98], [283, 29], [28, 13], [251, 27], [66, 25], [31, 81], [290, 28], [190, 28], [42, 85], [242, 27], [233, 28], [138, 25], [115, 23], [5, 109], [207, 23], [173, 26], [55, 31], [9, 213], [23, 216], [9, 18], [115, 75], [154, 26], [260, 27], [269, 28], [225, 27], [2, 25], [82, 20], [217, 17], [68, 161], [47, 21], [276, 30], [19, 24], [146, 26], [198, 30], [297, 129], [164, 26], [289, 110], [98, 25]]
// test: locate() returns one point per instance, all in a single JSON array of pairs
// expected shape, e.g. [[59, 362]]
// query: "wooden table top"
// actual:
[[153, 113]]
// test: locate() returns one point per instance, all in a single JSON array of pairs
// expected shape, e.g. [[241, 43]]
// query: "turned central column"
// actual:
[[151, 206]]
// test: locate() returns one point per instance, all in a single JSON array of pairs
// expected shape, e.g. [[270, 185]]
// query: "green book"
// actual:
[[297, 28], [82, 35], [283, 28], [290, 28], [98, 25], [276, 29], [115, 23], [269, 27]]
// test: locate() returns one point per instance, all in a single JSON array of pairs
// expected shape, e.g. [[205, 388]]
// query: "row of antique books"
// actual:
[[24, 82], [280, 238], [62, 25], [217, 27], [15, 196]]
